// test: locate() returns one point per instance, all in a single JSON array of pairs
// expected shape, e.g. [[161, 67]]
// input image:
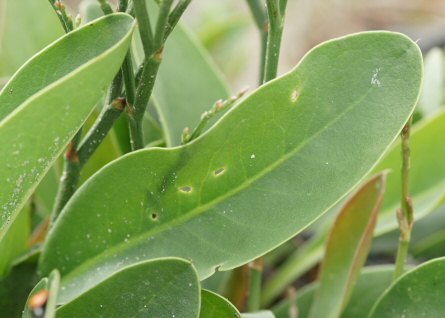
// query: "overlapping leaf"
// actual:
[[347, 248], [158, 288], [418, 293], [215, 306], [47, 100], [269, 168]]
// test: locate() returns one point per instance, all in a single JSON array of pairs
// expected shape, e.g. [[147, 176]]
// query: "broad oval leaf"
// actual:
[[418, 293], [166, 287], [215, 306], [48, 99], [270, 167], [371, 283], [42, 300], [347, 247]]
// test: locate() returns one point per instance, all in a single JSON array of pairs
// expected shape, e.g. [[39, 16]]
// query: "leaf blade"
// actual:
[[186, 198], [46, 102], [173, 292], [347, 248]]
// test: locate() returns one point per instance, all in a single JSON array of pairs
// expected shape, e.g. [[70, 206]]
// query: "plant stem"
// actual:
[[218, 107], [77, 155], [405, 214], [174, 17], [143, 93], [262, 23], [65, 19], [105, 6], [145, 30], [153, 47], [275, 13]]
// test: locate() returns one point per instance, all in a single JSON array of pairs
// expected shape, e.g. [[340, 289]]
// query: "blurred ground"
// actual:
[[227, 30]]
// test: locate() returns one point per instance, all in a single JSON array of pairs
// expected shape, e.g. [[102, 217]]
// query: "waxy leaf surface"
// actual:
[[48, 99], [265, 171], [158, 288]]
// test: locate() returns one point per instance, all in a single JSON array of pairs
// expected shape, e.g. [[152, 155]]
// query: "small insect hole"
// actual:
[[154, 216], [294, 96], [185, 189], [219, 172]]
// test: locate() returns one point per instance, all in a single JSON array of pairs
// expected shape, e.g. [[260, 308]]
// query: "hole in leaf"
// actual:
[[186, 189], [154, 216], [294, 96], [219, 172]]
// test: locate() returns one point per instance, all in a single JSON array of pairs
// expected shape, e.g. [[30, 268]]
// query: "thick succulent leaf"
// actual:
[[42, 300], [347, 247], [15, 241], [215, 306], [269, 168], [418, 293], [370, 285], [188, 83], [15, 287], [26, 26], [47, 100], [160, 288], [427, 182]]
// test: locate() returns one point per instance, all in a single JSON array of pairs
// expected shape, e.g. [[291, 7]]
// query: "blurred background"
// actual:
[[227, 30]]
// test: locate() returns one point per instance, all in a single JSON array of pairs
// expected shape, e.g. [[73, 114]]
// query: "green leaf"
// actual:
[[26, 27], [48, 99], [427, 182], [188, 82], [158, 288], [15, 241], [418, 293], [215, 306], [43, 298], [259, 314], [226, 198], [347, 248], [370, 285], [427, 186]]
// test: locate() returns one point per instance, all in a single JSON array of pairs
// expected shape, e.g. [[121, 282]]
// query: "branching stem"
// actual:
[[405, 214]]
